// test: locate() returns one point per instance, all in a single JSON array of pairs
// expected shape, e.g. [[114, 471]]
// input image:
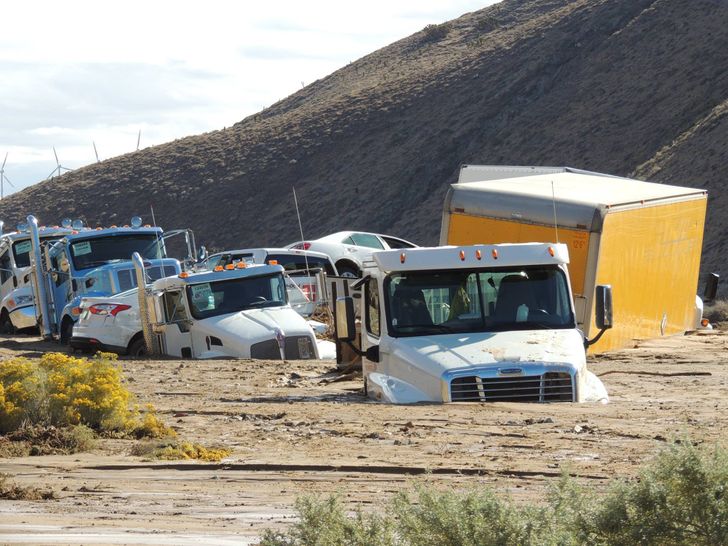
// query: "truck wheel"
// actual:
[[137, 348], [66, 331], [6, 326], [348, 271]]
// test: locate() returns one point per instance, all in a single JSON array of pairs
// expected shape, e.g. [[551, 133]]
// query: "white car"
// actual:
[[350, 249], [305, 292]]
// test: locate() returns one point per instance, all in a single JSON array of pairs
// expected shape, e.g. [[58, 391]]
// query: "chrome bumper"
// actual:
[[23, 317]]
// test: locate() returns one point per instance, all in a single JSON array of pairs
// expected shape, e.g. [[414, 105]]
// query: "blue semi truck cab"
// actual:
[[91, 262]]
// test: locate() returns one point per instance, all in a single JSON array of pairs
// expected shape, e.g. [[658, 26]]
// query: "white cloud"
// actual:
[[82, 71]]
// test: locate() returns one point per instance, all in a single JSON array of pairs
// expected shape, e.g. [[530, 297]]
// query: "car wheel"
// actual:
[[66, 331], [137, 348], [348, 271], [6, 326]]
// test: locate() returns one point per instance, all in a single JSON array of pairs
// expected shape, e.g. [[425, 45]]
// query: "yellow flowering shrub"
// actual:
[[63, 390], [188, 450]]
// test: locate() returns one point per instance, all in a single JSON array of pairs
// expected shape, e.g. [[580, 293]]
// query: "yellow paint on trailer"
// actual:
[[472, 230], [636, 247]]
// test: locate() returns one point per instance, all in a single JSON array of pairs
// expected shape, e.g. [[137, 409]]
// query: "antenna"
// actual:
[[96, 153], [300, 226], [4, 178], [59, 168], [553, 202]]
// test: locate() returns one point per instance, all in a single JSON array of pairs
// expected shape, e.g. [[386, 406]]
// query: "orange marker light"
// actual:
[[240, 265], [184, 275], [229, 267], [551, 251], [218, 268], [462, 255], [478, 255], [402, 257], [494, 253], [705, 323], [273, 262]]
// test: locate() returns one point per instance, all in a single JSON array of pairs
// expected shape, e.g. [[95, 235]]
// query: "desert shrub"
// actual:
[[179, 450], [10, 491], [717, 311], [324, 522], [435, 33], [60, 390], [46, 440], [679, 499]]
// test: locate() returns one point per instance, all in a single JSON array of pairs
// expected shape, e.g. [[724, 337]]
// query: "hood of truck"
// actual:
[[239, 331], [437, 354]]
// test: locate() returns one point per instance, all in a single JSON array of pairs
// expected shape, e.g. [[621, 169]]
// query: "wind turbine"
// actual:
[[96, 152], [4, 178], [59, 168]]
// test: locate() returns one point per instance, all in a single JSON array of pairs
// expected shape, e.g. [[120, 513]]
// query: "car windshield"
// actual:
[[21, 250], [443, 302], [98, 251], [223, 297], [296, 264]]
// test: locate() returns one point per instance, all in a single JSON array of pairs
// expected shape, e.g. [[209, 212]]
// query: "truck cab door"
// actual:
[[177, 339], [7, 279], [371, 328]]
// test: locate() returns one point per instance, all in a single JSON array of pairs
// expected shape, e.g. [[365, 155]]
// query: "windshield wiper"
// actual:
[[263, 303]]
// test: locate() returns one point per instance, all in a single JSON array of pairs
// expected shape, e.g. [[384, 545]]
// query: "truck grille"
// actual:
[[296, 348], [549, 387]]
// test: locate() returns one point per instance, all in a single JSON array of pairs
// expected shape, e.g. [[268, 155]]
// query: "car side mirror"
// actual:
[[74, 285], [89, 282], [345, 324], [603, 307]]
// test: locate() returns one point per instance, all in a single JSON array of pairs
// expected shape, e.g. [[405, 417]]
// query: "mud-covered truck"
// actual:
[[643, 239], [236, 311], [471, 324]]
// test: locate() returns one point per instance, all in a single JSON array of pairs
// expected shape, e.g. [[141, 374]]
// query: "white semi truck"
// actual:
[[236, 311], [472, 323]]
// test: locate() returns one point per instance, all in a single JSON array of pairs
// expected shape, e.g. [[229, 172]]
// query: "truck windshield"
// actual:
[[21, 250], [94, 252], [211, 299], [443, 302]]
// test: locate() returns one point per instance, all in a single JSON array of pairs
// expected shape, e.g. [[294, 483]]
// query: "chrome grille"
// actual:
[[549, 387], [296, 348]]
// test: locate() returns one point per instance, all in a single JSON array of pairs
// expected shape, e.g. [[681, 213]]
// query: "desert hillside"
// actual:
[[636, 87]]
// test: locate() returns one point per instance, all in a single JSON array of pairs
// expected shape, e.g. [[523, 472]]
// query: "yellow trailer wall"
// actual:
[[651, 257], [473, 230]]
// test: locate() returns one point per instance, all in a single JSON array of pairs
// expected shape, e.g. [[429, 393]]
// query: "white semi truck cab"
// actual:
[[472, 323]]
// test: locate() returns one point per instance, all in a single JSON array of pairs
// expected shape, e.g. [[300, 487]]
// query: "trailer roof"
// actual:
[[581, 199]]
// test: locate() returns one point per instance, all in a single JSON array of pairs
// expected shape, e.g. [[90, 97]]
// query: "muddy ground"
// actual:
[[296, 428]]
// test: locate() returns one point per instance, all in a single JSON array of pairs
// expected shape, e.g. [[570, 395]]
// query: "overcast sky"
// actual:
[[77, 72]]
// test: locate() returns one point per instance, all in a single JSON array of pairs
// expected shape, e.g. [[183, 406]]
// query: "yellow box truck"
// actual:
[[643, 239]]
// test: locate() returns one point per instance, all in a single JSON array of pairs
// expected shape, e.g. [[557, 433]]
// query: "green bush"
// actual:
[[679, 499]]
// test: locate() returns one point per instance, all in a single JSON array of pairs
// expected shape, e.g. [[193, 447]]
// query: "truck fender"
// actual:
[[385, 388]]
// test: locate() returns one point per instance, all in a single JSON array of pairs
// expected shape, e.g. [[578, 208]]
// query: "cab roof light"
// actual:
[[551, 251], [228, 267], [402, 257], [136, 222], [184, 275], [478, 255], [240, 265], [273, 262], [218, 268], [462, 255], [494, 253]]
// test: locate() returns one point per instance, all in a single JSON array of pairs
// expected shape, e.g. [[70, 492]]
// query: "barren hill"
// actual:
[[634, 87]]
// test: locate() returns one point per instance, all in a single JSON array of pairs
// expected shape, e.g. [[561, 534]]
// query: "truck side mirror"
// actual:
[[345, 326], [711, 287], [603, 307], [202, 254]]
